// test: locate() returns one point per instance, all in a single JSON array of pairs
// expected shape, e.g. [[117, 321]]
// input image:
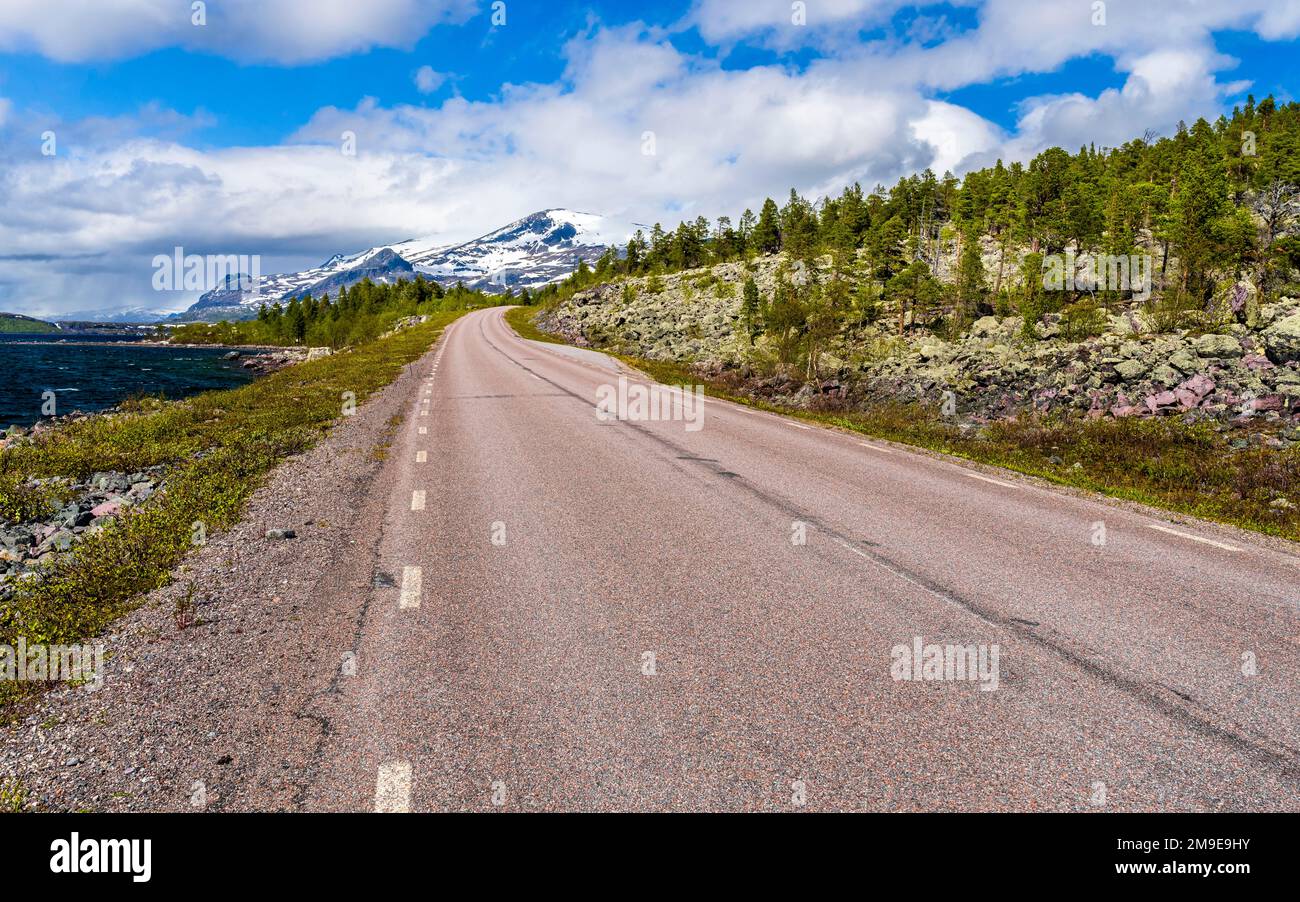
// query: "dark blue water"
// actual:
[[91, 373]]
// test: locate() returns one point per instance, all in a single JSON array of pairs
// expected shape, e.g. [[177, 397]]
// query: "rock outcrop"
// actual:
[[1237, 373]]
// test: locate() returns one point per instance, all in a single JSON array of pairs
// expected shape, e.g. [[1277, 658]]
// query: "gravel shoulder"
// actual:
[[228, 713]]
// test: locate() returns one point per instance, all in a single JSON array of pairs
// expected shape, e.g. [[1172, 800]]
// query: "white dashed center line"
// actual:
[[1185, 535], [393, 788], [417, 500], [412, 580], [421, 457], [424, 430]]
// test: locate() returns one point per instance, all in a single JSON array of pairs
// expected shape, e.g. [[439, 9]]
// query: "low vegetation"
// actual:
[[16, 323], [352, 317], [216, 447], [1120, 319], [521, 319], [1192, 469]]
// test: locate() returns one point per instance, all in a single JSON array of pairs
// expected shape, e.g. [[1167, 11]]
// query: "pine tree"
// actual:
[[750, 307], [971, 286], [767, 232]]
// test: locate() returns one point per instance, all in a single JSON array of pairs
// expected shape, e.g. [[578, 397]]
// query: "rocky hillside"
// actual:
[[1240, 373]]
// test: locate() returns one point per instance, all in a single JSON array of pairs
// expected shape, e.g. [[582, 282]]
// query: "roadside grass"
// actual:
[[521, 320], [13, 796], [216, 449], [1160, 462]]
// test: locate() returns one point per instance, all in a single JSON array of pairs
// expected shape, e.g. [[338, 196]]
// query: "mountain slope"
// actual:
[[528, 253], [11, 323], [236, 299]]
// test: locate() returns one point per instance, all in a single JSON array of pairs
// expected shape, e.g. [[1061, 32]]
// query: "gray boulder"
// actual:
[[1217, 346], [1282, 339]]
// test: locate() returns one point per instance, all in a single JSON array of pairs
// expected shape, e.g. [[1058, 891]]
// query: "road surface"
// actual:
[[577, 613]]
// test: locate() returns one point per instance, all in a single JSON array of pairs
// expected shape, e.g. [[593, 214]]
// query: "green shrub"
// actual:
[[216, 447], [21, 502]]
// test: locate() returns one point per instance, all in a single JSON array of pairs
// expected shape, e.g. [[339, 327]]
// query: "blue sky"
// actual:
[[224, 137], [258, 104]]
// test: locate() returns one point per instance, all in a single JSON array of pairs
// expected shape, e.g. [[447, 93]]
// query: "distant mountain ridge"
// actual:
[[542, 247]]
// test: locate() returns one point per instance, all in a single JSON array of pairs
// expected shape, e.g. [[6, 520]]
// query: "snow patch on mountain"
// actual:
[[529, 253]]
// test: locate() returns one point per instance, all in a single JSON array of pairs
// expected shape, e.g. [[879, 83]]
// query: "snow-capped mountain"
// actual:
[[540, 248], [528, 253], [124, 315]]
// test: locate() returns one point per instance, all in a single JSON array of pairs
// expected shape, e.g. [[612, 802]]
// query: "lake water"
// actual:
[[94, 373]]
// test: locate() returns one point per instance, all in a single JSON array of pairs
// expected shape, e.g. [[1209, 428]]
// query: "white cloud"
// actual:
[[1015, 37], [279, 31], [723, 139], [427, 80], [1163, 87], [956, 134], [781, 22]]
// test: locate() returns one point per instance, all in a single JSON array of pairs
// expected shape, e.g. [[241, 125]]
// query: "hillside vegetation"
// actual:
[[352, 317], [17, 323], [1213, 208], [991, 316], [207, 453]]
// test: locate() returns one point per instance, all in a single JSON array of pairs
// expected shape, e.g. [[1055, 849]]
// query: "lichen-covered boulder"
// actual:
[[1282, 339]]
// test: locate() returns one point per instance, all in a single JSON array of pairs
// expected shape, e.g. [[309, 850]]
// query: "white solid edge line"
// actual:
[[417, 500], [1187, 535], [421, 457], [1005, 485], [412, 583], [393, 788], [740, 408]]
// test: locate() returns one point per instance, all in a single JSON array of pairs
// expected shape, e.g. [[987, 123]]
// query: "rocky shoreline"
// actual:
[[83, 507], [91, 505], [269, 362], [197, 699]]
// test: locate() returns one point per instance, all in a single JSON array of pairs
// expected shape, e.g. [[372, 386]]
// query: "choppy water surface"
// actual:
[[89, 374]]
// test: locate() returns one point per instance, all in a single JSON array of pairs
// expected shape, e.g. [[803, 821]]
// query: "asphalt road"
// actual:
[[577, 613]]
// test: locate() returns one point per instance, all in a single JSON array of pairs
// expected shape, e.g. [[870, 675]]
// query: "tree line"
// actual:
[[1213, 204], [353, 316]]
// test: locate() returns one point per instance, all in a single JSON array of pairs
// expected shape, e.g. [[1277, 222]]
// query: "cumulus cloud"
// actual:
[[427, 80], [636, 129], [781, 22], [642, 130], [718, 140], [1014, 37], [278, 31], [1162, 88]]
